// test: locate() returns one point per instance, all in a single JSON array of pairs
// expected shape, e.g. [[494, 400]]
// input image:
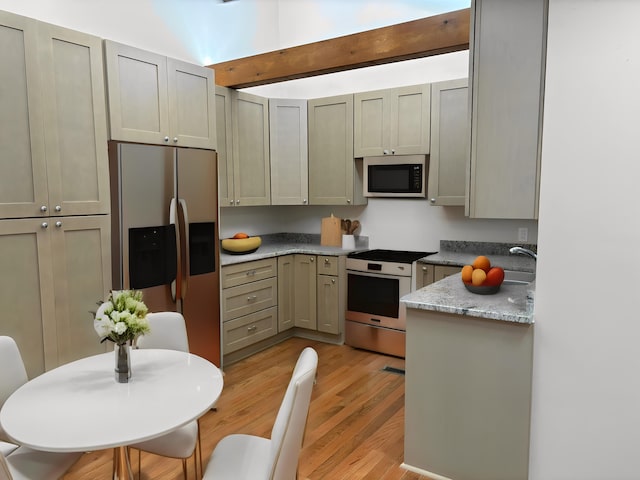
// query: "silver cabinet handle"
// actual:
[[58, 224], [333, 280], [326, 260], [252, 298], [393, 152], [251, 273], [43, 208], [58, 208], [237, 202], [424, 269], [166, 139], [348, 200], [44, 224], [175, 139], [433, 200], [385, 152], [312, 259], [230, 202], [252, 328], [304, 200]]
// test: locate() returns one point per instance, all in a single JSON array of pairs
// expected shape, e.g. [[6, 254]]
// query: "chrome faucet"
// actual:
[[523, 251]]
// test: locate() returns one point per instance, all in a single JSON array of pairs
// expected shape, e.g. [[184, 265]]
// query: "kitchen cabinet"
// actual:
[[427, 273], [288, 151], [60, 270], [305, 291], [393, 121], [335, 178], [331, 296], [249, 303], [251, 171], [52, 121], [507, 83], [450, 135], [159, 100], [286, 292], [224, 139]]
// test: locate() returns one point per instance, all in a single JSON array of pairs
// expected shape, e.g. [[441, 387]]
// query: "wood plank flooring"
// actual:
[[356, 418]]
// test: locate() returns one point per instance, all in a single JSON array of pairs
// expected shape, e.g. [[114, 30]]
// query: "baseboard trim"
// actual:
[[424, 473]]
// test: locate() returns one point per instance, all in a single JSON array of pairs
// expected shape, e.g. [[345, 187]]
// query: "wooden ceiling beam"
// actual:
[[448, 32]]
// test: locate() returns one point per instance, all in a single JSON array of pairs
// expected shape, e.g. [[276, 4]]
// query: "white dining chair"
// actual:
[[249, 457], [12, 376], [169, 331], [27, 464]]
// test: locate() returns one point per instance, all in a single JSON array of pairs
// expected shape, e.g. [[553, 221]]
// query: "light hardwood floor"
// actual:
[[355, 426]]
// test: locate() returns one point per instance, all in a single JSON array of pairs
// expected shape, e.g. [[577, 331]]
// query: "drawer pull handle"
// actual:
[[252, 328], [252, 298], [251, 273], [377, 320]]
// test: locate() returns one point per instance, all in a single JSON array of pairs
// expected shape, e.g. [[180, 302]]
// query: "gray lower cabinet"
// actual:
[[305, 291], [468, 396], [507, 84], [331, 294], [428, 273], [249, 303]]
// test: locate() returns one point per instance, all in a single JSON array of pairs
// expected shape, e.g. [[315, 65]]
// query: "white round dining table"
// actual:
[[80, 406]]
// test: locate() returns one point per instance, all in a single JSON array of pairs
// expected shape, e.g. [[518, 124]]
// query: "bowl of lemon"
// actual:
[[241, 244], [481, 277]]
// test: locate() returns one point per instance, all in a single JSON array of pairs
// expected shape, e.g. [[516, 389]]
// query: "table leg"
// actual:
[[123, 466]]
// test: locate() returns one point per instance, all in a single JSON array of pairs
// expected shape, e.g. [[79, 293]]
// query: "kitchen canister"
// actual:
[[348, 242]]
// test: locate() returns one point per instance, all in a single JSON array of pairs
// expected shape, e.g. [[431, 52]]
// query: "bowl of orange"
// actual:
[[481, 277], [241, 244]]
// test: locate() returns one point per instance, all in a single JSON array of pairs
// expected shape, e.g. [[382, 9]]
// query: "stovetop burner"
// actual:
[[398, 256]]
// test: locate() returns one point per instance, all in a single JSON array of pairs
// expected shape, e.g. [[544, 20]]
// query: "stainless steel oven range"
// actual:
[[376, 280]]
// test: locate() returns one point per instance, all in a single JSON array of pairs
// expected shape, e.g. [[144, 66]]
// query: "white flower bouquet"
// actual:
[[122, 318]]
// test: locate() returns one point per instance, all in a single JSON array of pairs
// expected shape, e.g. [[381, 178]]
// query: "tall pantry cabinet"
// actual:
[[54, 193]]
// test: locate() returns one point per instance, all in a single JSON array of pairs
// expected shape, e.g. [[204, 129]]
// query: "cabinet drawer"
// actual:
[[247, 330], [249, 298], [242, 273], [327, 265]]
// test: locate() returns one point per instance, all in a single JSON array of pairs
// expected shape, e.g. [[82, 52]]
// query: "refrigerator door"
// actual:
[[143, 237], [199, 276]]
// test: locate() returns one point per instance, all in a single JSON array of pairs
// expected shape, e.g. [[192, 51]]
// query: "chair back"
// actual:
[[288, 429], [168, 331], [12, 374], [5, 474]]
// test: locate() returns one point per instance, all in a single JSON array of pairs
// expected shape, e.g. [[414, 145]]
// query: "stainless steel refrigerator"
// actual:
[[165, 234]]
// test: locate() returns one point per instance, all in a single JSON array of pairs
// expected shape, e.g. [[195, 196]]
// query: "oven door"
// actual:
[[374, 299]]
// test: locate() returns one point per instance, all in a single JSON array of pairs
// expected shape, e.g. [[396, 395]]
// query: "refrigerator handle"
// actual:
[[176, 282], [184, 229]]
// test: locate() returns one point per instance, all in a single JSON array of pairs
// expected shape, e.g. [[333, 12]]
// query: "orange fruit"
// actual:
[[467, 271], [495, 276], [240, 235], [478, 277], [482, 262]]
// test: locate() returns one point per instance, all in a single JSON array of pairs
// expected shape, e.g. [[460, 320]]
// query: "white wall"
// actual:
[[586, 386]]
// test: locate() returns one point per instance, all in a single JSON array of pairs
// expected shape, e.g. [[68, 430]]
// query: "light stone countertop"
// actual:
[[277, 244], [512, 303]]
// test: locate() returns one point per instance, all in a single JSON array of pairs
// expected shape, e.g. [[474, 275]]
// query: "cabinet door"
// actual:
[[424, 275], [224, 140], [137, 92], [305, 304], [286, 292], [450, 135], [410, 110], [23, 173], [334, 177], [507, 71], [192, 119], [26, 293], [82, 278], [75, 121], [251, 171], [328, 304], [440, 272], [288, 151], [371, 130]]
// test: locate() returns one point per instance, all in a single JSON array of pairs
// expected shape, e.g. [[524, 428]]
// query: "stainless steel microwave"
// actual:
[[395, 176]]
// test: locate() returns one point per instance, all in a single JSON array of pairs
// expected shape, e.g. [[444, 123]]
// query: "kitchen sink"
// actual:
[[513, 277]]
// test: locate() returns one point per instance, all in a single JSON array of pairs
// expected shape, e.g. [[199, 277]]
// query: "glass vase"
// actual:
[[123, 362]]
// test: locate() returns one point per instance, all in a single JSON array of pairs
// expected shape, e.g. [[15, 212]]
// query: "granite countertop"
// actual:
[[276, 244], [457, 253], [512, 303]]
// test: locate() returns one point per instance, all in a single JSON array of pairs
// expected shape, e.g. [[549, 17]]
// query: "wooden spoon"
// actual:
[[354, 226]]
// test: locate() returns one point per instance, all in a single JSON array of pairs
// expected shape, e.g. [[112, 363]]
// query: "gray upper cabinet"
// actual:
[[159, 100], [288, 151], [393, 121], [334, 177], [506, 71], [449, 142], [224, 138], [52, 116]]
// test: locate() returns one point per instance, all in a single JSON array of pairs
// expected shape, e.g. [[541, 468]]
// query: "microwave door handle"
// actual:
[[176, 284], [184, 229]]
